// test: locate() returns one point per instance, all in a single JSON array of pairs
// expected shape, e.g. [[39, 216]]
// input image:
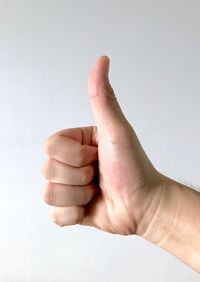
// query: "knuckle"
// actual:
[[49, 146], [56, 218], [46, 193], [107, 88], [47, 168], [111, 92]]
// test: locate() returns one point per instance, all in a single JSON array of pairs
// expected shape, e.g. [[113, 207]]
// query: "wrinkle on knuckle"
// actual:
[[109, 91]]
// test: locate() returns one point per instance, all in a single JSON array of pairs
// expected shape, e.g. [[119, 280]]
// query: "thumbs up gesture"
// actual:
[[100, 175]]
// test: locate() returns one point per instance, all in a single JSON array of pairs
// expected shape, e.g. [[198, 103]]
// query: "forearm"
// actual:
[[173, 222]]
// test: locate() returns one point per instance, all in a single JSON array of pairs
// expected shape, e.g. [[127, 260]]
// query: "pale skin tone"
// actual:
[[100, 176]]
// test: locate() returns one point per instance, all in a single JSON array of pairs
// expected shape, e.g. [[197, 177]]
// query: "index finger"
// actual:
[[72, 146]]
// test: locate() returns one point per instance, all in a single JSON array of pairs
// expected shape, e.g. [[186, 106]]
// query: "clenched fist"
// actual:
[[100, 175]]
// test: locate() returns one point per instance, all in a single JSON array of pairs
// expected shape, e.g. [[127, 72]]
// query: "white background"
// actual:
[[46, 51]]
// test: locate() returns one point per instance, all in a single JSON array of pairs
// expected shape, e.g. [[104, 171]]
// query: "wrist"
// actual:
[[152, 214], [172, 221]]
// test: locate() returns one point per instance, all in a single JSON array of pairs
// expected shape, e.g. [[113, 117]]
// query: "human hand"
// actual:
[[100, 175]]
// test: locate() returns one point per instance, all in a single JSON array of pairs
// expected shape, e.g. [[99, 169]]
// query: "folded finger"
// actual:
[[70, 151], [64, 216], [58, 172], [61, 195]]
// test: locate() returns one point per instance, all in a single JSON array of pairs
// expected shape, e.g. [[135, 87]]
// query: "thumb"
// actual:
[[107, 112]]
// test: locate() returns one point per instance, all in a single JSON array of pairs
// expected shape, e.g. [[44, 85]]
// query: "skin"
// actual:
[[100, 176]]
